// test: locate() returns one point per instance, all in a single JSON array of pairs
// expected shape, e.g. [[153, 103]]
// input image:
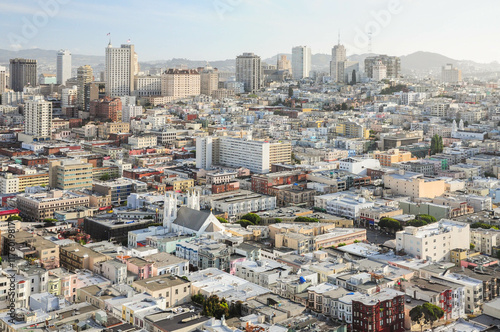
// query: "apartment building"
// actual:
[[484, 239], [414, 185], [74, 256], [249, 71], [392, 156], [119, 189], [380, 312], [180, 83], [108, 128], [143, 141], [352, 129], [434, 242], [37, 207], [106, 109], [450, 298], [237, 203], [175, 290], [344, 204]]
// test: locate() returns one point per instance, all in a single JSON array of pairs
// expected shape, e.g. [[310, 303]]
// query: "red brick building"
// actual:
[[261, 183], [379, 312], [34, 161], [106, 109]]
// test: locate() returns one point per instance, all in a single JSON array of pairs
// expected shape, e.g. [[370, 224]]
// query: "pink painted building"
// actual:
[[141, 267]]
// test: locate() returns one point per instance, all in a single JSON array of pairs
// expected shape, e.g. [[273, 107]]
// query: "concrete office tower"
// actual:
[[70, 174], [301, 62], [22, 73], [93, 91], [38, 119], [131, 111], [180, 83], [249, 71], [69, 97], [84, 75], [120, 69], [338, 63], [147, 86], [3, 79], [63, 66], [451, 74], [379, 71], [284, 63], [209, 80]]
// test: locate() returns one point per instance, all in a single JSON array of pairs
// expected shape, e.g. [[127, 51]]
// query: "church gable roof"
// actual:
[[190, 218]]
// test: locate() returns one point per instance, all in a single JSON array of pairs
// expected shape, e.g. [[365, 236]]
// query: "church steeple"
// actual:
[[193, 199]]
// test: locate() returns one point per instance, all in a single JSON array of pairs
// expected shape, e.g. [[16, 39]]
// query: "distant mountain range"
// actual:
[[419, 62]]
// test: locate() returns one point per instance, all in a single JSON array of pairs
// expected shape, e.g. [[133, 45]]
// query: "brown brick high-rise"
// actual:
[[106, 109]]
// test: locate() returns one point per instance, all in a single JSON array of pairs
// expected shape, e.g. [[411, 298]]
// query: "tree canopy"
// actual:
[[254, 218], [306, 219], [389, 224], [426, 313], [222, 220], [436, 144]]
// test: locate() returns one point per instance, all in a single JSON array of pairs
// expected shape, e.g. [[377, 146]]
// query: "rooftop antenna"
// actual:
[[370, 41], [339, 38]]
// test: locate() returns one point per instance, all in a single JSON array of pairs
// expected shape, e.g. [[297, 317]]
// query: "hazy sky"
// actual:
[[222, 29]]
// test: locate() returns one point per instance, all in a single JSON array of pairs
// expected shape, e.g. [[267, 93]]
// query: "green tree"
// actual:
[[426, 313], [305, 219], [344, 107], [12, 218], [222, 220], [472, 246], [436, 144], [427, 218], [417, 316], [432, 313], [416, 223], [278, 220], [290, 91], [105, 177], [245, 223], [215, 307], [389, 224], [198, 298], [254, 218]]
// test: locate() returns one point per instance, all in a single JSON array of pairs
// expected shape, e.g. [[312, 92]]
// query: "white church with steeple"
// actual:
[[188, 219]]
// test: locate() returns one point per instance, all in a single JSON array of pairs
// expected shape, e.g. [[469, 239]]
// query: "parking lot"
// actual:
[[378, 237]]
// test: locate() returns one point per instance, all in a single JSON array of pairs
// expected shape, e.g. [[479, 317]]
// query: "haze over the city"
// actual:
[[221, 29]]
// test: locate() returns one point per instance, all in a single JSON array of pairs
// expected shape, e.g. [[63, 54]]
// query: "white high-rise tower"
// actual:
[[120, 69], [38, 118], [63, 66], [301, 62], [169, 210]]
